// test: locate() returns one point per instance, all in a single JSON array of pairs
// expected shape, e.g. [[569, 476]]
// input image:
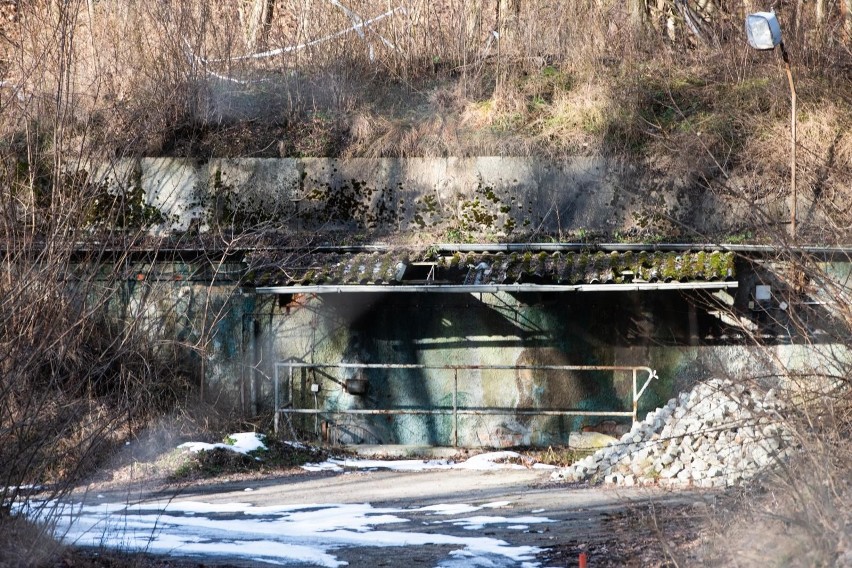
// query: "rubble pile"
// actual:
[[717, 435]]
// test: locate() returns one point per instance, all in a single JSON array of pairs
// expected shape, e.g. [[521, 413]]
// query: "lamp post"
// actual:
[[764, 33]]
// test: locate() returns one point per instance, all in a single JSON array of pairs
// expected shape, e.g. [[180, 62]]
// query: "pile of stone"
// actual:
[[717, 435]]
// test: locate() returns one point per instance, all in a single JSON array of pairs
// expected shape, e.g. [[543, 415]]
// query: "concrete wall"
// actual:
[[193, 315], [482, 197], [233, 338], [662, 330], [239, 337]]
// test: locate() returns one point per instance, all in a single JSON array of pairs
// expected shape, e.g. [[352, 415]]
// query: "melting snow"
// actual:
[[275, 534], [243, 443], [461, 508], [487, 461], [479, 522], [293, 534]]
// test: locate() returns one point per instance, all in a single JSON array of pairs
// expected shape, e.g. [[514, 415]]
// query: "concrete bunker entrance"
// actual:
[[474, 370]]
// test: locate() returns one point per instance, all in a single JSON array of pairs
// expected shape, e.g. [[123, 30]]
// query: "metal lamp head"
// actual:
[[763, 29]]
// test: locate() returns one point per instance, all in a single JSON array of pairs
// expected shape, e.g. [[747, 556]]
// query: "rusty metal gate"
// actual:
[[285, 370]]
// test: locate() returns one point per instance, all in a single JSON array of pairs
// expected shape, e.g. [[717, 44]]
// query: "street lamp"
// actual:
[[764, 33]]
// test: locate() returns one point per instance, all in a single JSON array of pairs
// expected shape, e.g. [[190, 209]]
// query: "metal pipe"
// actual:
[[189, 253], [635, 400], [277, 400], [649, 370], [446, 411], [579, 247], [785, 56], [455, 408], [290, 386]]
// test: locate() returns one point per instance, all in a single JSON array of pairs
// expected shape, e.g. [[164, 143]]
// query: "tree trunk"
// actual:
[[797, 18], [258, 22], [819, 10], [508, 12], [637, 13], [473, 21]]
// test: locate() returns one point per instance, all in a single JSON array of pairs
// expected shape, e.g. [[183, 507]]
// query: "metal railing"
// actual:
[[456, 410]]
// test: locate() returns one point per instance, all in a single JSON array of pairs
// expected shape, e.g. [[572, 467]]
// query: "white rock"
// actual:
[[692, 439], [615, 478], [671, 471]]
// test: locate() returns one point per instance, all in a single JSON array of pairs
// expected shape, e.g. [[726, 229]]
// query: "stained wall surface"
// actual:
[[235, 341], [667, 331], [478, 197], [237, 337]]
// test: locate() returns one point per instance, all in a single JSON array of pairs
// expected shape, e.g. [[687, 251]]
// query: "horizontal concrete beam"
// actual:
[[494, 288]]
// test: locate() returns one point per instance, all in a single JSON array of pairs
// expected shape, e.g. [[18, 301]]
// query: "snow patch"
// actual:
[[241, 442], [482, 462], [272, 534]]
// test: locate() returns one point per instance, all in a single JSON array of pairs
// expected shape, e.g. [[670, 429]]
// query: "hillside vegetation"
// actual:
[[670, 87], [675, 84]]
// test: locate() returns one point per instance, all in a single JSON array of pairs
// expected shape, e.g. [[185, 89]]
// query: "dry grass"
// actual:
[[26, 545], [429, 79], [798, 514]]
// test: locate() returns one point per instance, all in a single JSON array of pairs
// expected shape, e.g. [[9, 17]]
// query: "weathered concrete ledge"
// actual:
[[482, 197]]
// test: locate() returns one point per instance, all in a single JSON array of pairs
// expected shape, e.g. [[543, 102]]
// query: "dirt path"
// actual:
[[433, 518]]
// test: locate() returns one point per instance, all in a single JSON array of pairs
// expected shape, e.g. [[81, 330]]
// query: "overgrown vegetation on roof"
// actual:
[[569, 268]]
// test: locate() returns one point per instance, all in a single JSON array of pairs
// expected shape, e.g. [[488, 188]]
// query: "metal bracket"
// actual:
[[652, 374]]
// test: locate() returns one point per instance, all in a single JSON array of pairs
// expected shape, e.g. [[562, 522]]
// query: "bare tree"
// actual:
[[257, 17], [638, 13]]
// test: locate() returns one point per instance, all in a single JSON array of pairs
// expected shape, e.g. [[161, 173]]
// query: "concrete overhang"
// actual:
[[494, 288]]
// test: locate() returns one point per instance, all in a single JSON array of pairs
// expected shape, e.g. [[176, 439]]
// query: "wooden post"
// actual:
[[789, 71], [846, 16], [819, 10], [637, 13]]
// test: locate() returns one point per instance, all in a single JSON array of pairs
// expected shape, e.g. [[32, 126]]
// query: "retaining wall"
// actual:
[[481, 197]]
